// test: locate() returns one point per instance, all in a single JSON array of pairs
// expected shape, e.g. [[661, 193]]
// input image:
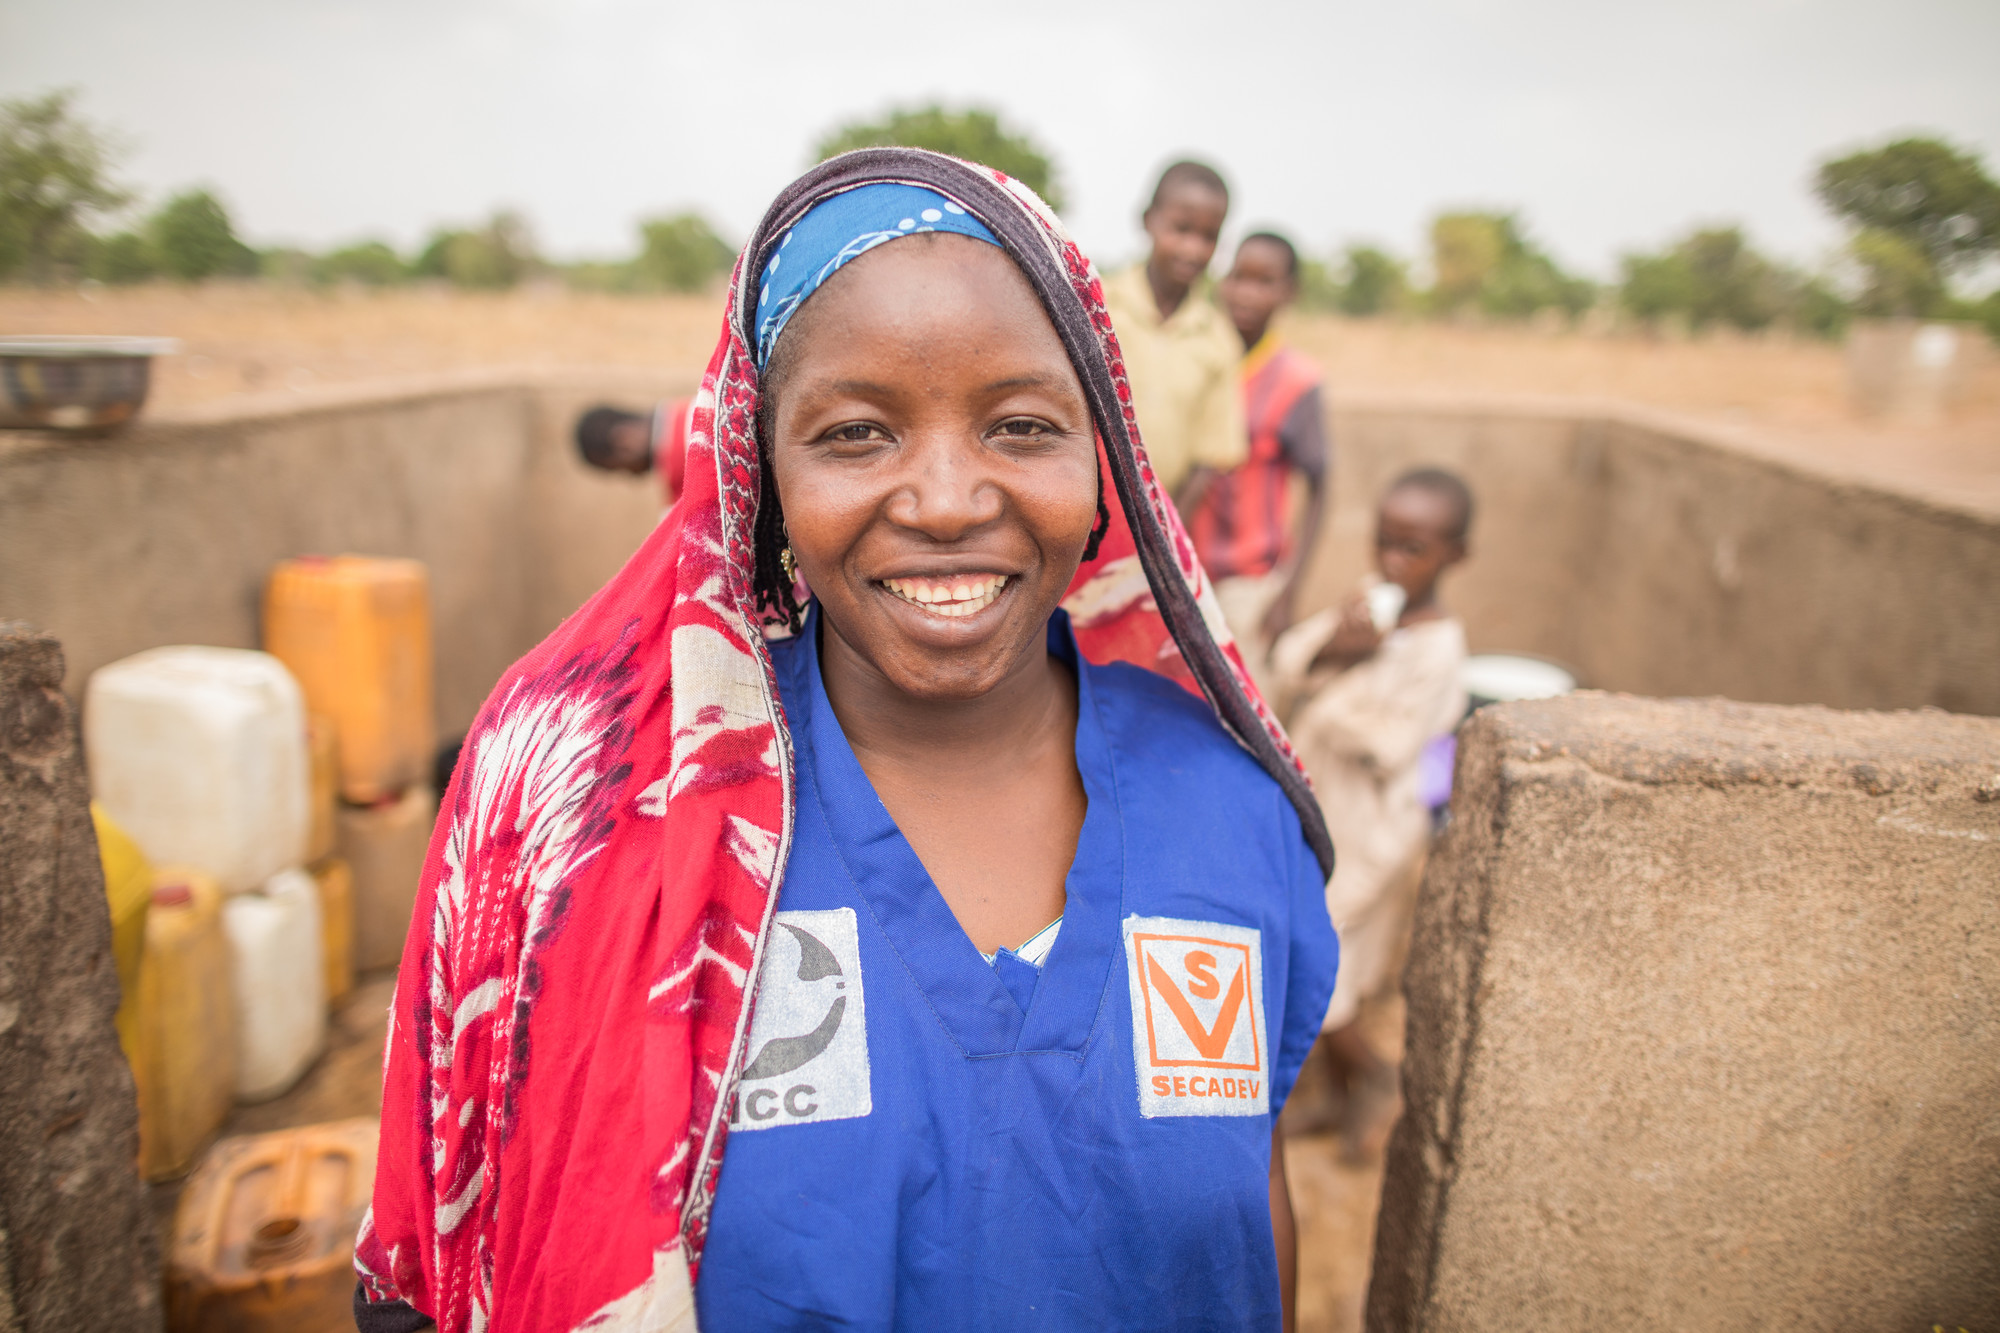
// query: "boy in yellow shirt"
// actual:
[[1181, 353]]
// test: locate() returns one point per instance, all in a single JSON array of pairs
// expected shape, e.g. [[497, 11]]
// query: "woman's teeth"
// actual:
[[950, 597]]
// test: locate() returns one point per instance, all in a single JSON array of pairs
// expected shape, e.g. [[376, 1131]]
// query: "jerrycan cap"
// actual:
[[173, 893], [280, 1240]]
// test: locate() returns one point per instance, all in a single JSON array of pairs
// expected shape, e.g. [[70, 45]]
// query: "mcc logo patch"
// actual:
[[1199, 1038], [808, 1052]]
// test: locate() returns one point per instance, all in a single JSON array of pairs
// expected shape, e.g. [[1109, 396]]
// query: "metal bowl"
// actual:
[[1493, 678], [80, 383]]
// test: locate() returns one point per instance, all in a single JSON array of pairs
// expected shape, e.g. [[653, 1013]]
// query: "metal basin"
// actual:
[[1492, 678], [81, 383]]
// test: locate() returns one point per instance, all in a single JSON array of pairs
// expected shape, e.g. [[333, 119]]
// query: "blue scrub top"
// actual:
[[913, 1147]]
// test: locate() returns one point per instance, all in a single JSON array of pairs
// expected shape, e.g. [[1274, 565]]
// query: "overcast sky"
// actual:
[[1611, 125]]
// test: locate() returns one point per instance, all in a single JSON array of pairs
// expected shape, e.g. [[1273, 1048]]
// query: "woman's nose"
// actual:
[[950, 490]]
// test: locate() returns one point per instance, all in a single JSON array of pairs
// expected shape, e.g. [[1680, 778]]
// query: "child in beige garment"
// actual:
[[1363, 701]]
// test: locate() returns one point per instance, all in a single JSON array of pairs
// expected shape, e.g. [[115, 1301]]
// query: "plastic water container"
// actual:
[[200, 755], [335, 883], [185, 1062], [385, 844], [128, 889], [264, 1235], [279, 973], [323, 786], [356, 631]]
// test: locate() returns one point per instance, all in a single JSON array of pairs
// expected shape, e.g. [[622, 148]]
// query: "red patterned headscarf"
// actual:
[[575, 995]]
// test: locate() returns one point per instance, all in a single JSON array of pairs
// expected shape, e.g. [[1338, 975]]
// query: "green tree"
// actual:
[[370, 263], [1711, 276], [679, 254], [1714, 275], [973, 134], [192, 238], [1987, 312], [1485, 261], [1376, 281], [1466, 249], [1818, 309], [495, 256], [1934, 197], [1656, 286], [55, 176], [1898, 277], [121, 258]]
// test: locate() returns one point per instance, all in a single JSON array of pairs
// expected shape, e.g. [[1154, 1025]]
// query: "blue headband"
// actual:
[[839, 229]]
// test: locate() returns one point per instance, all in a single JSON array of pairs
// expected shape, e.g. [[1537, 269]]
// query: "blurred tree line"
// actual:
[[63, 219], [974, 135], [1924, 219]]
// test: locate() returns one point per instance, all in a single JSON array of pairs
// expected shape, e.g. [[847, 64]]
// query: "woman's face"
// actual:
[[936, 462]]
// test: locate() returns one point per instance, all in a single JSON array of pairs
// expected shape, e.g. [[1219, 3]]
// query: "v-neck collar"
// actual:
[[968, 997]]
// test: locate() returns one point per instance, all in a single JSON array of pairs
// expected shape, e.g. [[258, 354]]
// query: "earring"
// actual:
[[789, 563]]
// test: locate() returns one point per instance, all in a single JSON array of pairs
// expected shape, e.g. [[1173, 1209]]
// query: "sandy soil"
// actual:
[[1792, 393]]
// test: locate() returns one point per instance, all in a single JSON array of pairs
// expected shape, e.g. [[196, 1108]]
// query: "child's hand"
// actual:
[[1355, 639]]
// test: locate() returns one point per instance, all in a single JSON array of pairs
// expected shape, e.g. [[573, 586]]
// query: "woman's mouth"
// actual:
[[953, 598]]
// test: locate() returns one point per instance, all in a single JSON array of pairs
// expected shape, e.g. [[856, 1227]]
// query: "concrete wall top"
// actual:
[[1659, 556], [1704, 1026], [1646, 553]]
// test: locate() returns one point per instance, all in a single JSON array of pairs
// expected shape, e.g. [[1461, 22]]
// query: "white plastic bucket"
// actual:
[[280, 976], [200, 755]]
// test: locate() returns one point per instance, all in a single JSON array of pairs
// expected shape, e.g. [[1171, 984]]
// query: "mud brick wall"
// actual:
[[1704, 1026], [1648, 553], [76, 1245], [167, 532], [1658, 555]]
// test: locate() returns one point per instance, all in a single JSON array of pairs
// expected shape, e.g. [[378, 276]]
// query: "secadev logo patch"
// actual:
[[1198, 1033], [809, 1034]]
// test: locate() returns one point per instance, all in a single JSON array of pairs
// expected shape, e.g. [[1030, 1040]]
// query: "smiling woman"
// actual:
[[1036, 936]]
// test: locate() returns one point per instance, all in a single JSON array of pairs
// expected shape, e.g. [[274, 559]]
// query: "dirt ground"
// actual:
[[345, 1082], [1792, 393]]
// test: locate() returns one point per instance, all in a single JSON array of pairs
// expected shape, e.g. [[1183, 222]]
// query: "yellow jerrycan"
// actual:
[[335, 882], [324, 764], [185, 1023], [264, 1237], [356, 631], [128, 888]]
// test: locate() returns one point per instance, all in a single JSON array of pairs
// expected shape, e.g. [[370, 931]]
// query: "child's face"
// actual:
[[632, 446], [1413, 540], [1258, 283], [1184, 227]]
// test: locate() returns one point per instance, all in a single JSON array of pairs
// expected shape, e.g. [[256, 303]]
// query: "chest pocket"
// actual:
[[809, 1035], [1199, 1039]]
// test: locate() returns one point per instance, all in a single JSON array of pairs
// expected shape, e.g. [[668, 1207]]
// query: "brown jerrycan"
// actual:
[[264, 1238]]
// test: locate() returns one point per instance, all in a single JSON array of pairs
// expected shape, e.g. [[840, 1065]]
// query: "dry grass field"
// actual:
[[1792, 394]]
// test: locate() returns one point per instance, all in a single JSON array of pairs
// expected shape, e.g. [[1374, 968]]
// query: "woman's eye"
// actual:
[[854, 432], [1023, 428]]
